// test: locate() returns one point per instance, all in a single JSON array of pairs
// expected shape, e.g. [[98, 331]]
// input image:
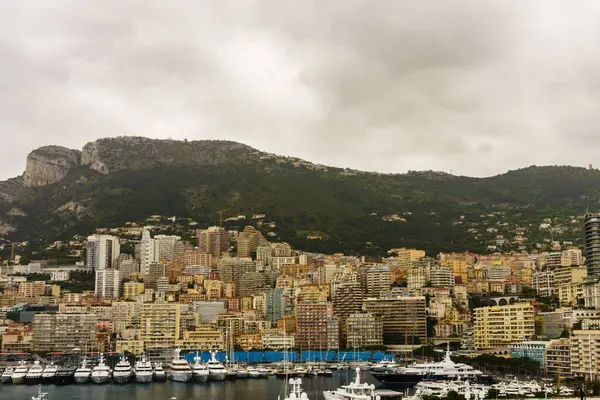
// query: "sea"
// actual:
[[243, 389]]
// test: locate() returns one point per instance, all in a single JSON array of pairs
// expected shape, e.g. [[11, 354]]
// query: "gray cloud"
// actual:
[[470, 87]]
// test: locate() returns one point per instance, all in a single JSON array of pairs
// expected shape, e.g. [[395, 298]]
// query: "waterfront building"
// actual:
[[202, 338], [585, 353], [364, 330], [277, 339], [159, 323], [63, 332], [312, 323], [558, 358], [404, 318], [499, 326], [347, 300], [536, 350]]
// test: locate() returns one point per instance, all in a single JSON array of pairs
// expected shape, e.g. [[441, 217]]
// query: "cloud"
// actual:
[[465, 86]]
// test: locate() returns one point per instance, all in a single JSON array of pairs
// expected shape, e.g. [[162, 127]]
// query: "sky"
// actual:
[[466, 87]]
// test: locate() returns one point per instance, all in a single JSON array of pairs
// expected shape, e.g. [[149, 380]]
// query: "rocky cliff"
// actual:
[[49, 164]]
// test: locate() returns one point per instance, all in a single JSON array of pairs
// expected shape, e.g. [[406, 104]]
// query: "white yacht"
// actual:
[[253, 372], [83, 373], [354, 390], [217, 371], [296, 393], [159, 372], [6, 375], [19, 373], [263, 371], [34, 375], [49, 373], [101, 373], [179, 370], [122, 372], [143, 370], [199, 371]]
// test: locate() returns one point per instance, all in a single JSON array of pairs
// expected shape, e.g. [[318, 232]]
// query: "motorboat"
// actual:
[[325, 372], [34, 375], [179, 369], [143, 370], [19, 373], [296, 393], [101, 373], [241, 373], [300, 371], [159, 373], [442, 370], [443, 387], [199, 370], [253, 372], [83, 373], [354, 390], [122, 372], [49, 374], [6, 375], [65, 375], [263, 371], [216, 370], [382, 366]]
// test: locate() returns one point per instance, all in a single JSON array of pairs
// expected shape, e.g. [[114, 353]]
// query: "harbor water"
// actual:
[[242, 389]]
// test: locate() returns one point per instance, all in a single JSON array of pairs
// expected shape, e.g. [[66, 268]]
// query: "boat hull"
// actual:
[[217, 376], [64, 379], [200, 377], [121, 378], [48, 379], [82, 379], [407, 379], [5, 379], [160, 377], [33, 380], [100, 379], [180, 376], [18, 380], [241, 375], [143, 378]]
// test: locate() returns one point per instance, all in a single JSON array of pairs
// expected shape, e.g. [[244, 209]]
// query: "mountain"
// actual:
[[313, 207]]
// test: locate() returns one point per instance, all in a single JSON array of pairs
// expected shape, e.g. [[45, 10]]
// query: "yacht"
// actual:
[[199, 371], [241, 373], [6, 375], [382, 366], [49, 374], [253, 372], [264, 372], [19, 373], [143, 370], [159, 372], [101, 373], [445, 369], [83, 373], [296, 393], [122, 372], [34, 375], [179, 370], [216, 370], [354, 390], [65, 375]]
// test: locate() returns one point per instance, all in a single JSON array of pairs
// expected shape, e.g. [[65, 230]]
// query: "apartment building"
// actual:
[[63, 332], [499, 326], [364, 330], [159, 323], [403, 317]]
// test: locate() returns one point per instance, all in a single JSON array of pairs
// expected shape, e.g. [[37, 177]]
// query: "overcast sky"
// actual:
[[472, 88]]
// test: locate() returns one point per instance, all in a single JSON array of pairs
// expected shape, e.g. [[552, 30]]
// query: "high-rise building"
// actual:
[[378, 281], [592, 245], [128, 267], [248, 241], [156, 270], [404, 318], [166, 246], [312, 323], [132, 289], [63, 332], [125, 314], [108, 283], [214, 240], [364, 330], [406, 257], [347, 299], [585, 353], [252, 283], [571, 257], [275, 305], [102, 251], [499, 326], [32, 289], [441, 277], [232, 269], [149, 251], [159, 323]]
